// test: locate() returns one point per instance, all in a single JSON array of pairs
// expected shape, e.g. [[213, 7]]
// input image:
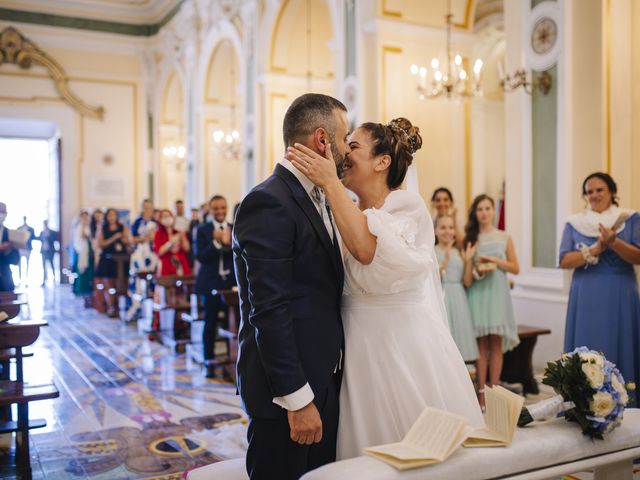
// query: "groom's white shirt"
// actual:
[[304, 396]]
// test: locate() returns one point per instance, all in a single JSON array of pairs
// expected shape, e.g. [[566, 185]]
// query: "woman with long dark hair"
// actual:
[[113, 238], [83, 267], [489, 296], [601, 245]]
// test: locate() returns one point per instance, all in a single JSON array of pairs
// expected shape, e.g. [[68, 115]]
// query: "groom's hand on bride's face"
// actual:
[[305, 425]]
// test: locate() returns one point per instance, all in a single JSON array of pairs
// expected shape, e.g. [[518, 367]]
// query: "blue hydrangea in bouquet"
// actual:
[[590, 391]]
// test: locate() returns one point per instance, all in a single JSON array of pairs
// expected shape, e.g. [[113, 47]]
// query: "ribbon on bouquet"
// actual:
[[544, 410]]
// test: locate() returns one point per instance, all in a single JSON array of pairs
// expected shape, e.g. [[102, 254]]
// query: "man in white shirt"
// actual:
[[213, 251]]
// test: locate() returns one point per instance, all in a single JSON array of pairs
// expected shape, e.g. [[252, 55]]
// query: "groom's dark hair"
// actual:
[[308, 112]]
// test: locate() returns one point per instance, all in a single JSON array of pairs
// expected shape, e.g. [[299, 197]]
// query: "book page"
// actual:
[[401, 464], [503, 409], [400, 450], [497, 415], [514, 403], [434, 435]]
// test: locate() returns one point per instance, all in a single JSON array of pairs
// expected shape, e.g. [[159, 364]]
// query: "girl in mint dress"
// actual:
[[489, 294], [452, 270]]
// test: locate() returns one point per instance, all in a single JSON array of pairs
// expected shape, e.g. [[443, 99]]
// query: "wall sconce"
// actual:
[[509, 83]]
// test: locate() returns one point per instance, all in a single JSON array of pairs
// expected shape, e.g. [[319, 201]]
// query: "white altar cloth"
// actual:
[[539, 451]]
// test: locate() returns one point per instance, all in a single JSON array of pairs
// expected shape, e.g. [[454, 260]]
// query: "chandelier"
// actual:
[[542, 81], [175, 155], [448, 78], [228, 142]]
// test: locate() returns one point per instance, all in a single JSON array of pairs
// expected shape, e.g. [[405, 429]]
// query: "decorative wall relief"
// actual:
[[17, 49]]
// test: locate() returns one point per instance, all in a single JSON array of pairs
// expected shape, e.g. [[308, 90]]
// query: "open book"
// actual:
[[501, 418], [437, 434]]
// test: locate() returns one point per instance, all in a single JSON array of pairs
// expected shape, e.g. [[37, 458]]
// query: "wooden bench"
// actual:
[[228, 336], [11, 307], [142, 299], [518, 363], [7, 296], [230, 296], [13, 392], [172, 298]]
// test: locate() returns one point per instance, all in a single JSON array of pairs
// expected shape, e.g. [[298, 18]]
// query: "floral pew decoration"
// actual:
[[590, 391]]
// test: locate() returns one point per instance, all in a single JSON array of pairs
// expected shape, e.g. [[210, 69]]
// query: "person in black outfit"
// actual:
[[113, 238], [26, 251], [194, 224], [290, 280], [8, 254], [213, 251], [50, 240]]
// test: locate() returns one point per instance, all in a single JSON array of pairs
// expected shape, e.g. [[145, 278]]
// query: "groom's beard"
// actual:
[[338, 158]]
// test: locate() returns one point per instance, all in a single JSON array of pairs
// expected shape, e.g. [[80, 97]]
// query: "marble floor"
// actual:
[[128, 408]]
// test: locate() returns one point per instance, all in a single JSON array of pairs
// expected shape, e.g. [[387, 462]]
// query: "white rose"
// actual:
[[592, 358], [594, 374], [602, 404], [620, 388]]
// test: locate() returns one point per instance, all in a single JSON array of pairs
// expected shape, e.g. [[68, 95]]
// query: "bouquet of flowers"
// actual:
[[591, 392]]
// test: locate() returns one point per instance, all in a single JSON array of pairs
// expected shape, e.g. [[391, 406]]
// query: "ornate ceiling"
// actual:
[[124, 11]]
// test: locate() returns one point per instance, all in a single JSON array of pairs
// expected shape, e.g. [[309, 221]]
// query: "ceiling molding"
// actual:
[[81, 23], [19, 50], [142, 12]]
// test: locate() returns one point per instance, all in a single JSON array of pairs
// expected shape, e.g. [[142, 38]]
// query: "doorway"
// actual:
[[30, 187]]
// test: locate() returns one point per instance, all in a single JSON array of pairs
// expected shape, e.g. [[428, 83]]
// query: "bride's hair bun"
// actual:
[[406, 134], [399, 139]]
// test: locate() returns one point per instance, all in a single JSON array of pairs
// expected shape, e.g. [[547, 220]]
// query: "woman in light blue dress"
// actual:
[[602, 245], [453, 267], [489, 295]]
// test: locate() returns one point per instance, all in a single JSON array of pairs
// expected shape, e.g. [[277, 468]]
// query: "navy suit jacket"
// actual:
[[209, 256], [290, 280]]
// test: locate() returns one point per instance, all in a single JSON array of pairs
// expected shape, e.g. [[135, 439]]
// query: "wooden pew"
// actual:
[[11, 307], [142, 298], [172, 298], [228, 336], [518, 363], [8, 296], [14, 392], [14, 335]]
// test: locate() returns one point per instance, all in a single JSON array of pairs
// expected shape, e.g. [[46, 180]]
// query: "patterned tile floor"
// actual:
[[128, 408]]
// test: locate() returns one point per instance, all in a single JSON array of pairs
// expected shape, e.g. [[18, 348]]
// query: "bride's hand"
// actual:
[[320, 170]]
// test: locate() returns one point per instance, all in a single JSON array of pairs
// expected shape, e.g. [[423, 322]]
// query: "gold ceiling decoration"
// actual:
[[17, 49]]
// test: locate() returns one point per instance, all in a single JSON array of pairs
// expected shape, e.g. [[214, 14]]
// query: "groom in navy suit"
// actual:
[[290, 279]]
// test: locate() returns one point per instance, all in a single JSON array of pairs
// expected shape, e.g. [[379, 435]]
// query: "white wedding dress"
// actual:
[[399, 354]]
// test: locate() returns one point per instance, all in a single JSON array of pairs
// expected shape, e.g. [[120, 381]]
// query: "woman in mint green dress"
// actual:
[[453, 267], [489, 296]]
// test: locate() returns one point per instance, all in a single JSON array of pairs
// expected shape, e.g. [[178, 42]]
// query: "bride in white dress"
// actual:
[[399, 354]]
